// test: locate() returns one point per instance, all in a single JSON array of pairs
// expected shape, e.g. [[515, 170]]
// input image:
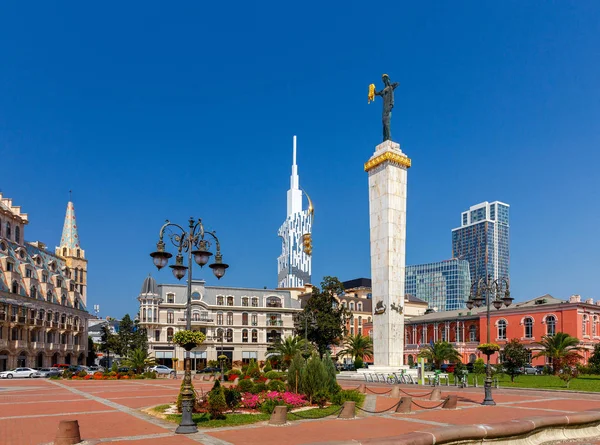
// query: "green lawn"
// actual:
[[203, 420], [582, 383]]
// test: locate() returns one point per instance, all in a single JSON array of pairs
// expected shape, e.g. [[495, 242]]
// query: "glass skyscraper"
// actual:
[[482, 240], [444, 285]]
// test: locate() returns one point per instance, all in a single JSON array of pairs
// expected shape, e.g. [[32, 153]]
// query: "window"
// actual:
[[501, 329], [359, 307], [459, 332], [196, 296], [472, 333], [44, 277], [229, 301], [254, 336], [220, 318], [274, 302], [229, 336], [584, 325], [351, 330], [170, 298], [219, 334], [64, 251], [443, 333], [245, 318], [10, 267], [351, 306], [254, 320], [196, 316], [144, 314], [33, 292], [28, 273], [254, 301], [58, 282], [170, 334], [594, 323], [76, 275], [550, 325], [528, 323], [157, 335], [78, 253], [245, 301], [229, 318], [17, 234], [220, 300], [359, 321], [244, 335], [170, 317], [72, 287], [8, 232]]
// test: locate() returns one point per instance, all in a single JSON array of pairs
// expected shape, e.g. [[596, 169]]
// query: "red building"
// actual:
[[526, 321]]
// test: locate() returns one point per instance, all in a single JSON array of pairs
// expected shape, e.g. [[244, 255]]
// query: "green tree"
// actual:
[[139, 337], [358, 347], [594, 361], [479, 367], [285, 349], [315, 378], [108, 342], [438, 352], [515, 356], [323, 318], [558, 348], [91, 354], [295, 373], [125, 336], [332, 384], [217, 404], [138, 360]]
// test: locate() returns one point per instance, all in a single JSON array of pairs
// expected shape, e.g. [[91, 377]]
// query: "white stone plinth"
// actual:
[[387, 171]]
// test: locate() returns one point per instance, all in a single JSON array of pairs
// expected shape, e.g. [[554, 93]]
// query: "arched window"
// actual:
[[501, 329], [245, 318], [220, 318], [196, 316], [274, 302], [359, 307], [33, 292], [254, 320], [8, 230], [64, 251], [359, 321], [229, 318], [254, 301], [244, 335], [459, 332], [472, 358], [17, 234], [550, 325], [584, 325], [219, 334], [254, 336], [150, 314], [472, 333], [144, 314], [351, 306], [528, 324], [229, 301], [244, 301], [229, 336], [15, 287], [64, 298], [594, 327], [169, 334], [170, 317], [76, 275], [78, 253]]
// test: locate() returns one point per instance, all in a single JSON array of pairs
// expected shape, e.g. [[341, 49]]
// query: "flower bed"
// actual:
[[290, 399]]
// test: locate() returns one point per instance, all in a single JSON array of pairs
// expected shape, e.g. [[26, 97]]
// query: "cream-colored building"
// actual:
[[43, 317], [240, 323]]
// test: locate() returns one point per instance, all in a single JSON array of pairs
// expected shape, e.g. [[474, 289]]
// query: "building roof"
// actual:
[[70, 237], [7, 207], [413, 299], [357, 282], [149, 286]]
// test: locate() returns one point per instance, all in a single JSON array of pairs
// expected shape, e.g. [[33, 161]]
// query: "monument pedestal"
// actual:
[[387, 171]]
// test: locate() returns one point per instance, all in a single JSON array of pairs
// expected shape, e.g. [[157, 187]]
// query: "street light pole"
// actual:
[[188, 241], [486, 289]]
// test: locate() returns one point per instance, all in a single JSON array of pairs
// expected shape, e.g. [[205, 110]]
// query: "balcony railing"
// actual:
[[63, 325], [69, 327], [274, 304], [39, 322], [55, 324], [21, 319], [63, 347], [32, 321], [38, 345], [274, 322], [273, 339]]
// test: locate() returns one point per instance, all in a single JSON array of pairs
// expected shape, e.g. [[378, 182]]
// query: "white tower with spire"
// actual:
[[294, 263]]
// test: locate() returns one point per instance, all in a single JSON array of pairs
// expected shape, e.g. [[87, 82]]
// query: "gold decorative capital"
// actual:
[[396, 158]]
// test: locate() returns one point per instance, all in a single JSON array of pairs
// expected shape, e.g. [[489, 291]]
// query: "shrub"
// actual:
[[358, 363], [253, 369], [348, 395], [315, 377], [269, 405], [330, 371], [271, 375], [82, 374], [67, 374], [257, 388], [112, 374], [321, 397], [233, 371], [149, 375], [130, 373], [87, 377], [267, 367], [295, 373], [216, 402], [213, 363], [98, 376], [245, 385], [233, 398], [276, 385]]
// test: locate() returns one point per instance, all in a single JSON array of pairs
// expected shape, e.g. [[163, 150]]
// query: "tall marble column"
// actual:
[[387, 171]]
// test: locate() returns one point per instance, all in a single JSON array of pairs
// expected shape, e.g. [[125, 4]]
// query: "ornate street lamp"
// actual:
[[496, 293], [191, 242]]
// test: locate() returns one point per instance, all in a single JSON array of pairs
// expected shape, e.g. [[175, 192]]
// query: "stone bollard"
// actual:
[[347, 410], [395, 394], [405, 405], [68, 433], [362, 389], [436, 394], [279, 416], [450, 402]]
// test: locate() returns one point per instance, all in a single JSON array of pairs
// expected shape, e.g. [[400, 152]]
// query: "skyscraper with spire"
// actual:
[[74, 256], [294, 263]]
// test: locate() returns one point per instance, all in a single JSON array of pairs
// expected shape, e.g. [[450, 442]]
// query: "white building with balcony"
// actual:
[[240, 323]]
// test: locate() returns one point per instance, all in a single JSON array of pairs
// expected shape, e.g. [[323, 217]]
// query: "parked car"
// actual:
[[94, 369], [61, 367], [162, 369], [19, 372], [530, 370], [123, 370], [48, 372], [541, 369], [209, 369]]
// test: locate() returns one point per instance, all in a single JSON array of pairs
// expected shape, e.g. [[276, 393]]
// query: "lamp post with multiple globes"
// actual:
[[496, 292], [193, 244]]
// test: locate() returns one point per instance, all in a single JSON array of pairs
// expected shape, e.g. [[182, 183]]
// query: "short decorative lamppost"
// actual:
[[496, 292], [191, 242]]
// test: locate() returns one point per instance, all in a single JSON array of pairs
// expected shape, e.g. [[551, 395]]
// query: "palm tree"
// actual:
[[138, 360], [438, 352], [358, 346], [559, 348], [285, 349]]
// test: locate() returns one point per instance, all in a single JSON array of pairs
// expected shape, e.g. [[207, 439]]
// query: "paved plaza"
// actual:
[[110, 412]]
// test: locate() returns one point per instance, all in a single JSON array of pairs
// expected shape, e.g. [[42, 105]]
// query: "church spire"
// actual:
[[70, 237], [294, 194]]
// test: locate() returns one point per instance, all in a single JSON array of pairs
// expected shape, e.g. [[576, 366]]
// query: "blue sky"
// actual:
[[149, 110]]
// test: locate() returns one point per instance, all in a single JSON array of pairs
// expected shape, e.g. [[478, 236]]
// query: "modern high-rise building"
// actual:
[[444, 285], [483, 240], [294, 263]]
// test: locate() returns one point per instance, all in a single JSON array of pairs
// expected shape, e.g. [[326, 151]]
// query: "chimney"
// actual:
[[575, 299]]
